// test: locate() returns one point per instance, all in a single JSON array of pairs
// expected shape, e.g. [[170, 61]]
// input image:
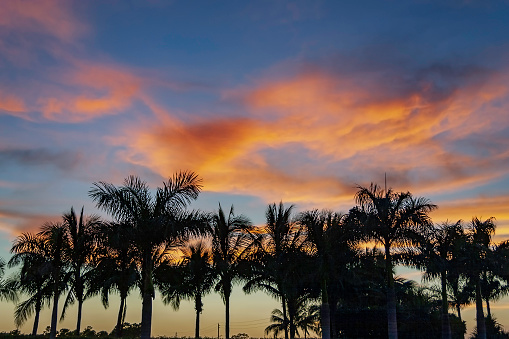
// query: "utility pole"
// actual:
[[217, 330]]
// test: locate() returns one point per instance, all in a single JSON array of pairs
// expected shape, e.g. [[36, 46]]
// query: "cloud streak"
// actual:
[[312, 136]]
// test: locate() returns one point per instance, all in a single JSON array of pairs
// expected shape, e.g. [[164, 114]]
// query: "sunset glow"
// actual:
[[267, 101]]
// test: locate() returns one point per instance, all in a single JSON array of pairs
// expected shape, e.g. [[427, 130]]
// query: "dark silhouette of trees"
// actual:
[[230, 242], [196, 278], [476, 256], [438, 250], [314, 265], [80, 245], [156, 221], [331, 240], [115, 267], [33, 278], [277, 264], [7, 290], [388, 218]]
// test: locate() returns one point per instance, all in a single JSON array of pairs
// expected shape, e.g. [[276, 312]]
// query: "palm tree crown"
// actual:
[[157, 221]]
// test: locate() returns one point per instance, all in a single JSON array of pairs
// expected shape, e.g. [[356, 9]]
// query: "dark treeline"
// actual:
[[333, 273]]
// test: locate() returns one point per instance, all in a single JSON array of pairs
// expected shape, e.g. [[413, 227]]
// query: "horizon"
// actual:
[[297, 102]]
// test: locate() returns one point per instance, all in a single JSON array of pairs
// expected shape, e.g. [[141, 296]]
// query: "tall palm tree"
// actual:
[[115, 267], [460, 292], [275, 268], [34, 278], [49, 243], [79, 233], [439, 246], [388, 218], [197, 278], [328, 235], [230, 241], [477, 254], [492, 288], [156, 221]]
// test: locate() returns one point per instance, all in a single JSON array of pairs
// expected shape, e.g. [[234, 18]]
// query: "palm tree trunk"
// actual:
[[54, 314], [38, 306], [488, 308], [146, 309], [392, 322], [78, 322], [198, 307], [120, 316], [285, 318], [481, 326], [227, 320], [446, 326], [458, 309], [325, 311], [292, 325], [146, 316]]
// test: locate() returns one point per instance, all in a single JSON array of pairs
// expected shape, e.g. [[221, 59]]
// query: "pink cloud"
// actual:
[[310, 138]]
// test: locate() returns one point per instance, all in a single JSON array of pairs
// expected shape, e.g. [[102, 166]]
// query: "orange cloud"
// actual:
[[15, 223], [482, 207], [95, 90], [11, 104], [50, 17], [312, 137]]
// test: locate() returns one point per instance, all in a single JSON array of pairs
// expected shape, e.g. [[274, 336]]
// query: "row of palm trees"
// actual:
[[154, 241]]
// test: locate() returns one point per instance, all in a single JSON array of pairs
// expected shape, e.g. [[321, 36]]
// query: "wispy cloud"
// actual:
[[312, 136], [63, 160]]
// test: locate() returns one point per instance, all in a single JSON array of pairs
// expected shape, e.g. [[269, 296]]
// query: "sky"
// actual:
[[268, 101]]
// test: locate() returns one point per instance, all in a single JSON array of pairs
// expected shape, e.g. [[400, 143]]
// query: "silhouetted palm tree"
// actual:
[[197, 278], [7, 289], [230, 240], [156, 221], [439, 246], [33, 278], [278, 323], [331, 240], [309, 319], [49, 243], [477, 254], [388, 218], [79, 233], [275, 266], [460, 292], [115, 267]]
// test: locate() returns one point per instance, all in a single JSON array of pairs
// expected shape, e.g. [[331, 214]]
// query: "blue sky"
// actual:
[[267, 101]]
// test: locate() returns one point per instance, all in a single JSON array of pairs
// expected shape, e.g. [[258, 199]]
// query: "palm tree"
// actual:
[[439, 246], [79, 233], [156, 221], [196, 275], [34, 279], [492, 288], [388, 218], [278, 323], [477, 254], [7, 290], [230, 240], [50, 244], [460, 292], [309, 319], [275, 264], [331, 240], [115, 268]]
